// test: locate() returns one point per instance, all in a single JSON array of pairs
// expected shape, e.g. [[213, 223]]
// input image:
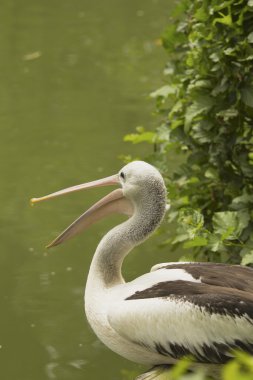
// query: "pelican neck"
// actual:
[[117, 243]]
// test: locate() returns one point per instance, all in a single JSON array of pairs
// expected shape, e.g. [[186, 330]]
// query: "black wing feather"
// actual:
[[223, 289]]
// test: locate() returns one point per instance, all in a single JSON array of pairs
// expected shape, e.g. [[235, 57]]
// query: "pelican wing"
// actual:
[[222, 275], [205, 316]]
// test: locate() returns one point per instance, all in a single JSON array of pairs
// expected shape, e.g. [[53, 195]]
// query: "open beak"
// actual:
[[115, 202]]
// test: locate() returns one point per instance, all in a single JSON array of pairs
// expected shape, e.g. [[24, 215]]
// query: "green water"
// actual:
[[74, 78]]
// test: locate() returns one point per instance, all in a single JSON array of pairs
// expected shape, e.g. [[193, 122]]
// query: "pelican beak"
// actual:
[[115, 202], [112, 180]]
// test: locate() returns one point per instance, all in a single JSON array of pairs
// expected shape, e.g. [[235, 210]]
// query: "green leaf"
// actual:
[[175, 124], [250, 38], [199, 84], [214, 243], [230, 51], [227, 114], [230, 224], [219, 5], [248, 258], [201, 14], [202, 132], [189, 256], [245, 359], [191, 217], [163, 92], [211, 173], [243, 200], [180, 368], [198, 241], [225, 19], [191, 221], [230, 371], [137, 138], [177, 107], [240, 368], [203, 104], [247, 96], [220, 87], [215, 57], [182, 201], [180, 238]]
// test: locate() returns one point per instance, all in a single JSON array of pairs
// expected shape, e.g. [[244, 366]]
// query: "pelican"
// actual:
[[200, 309]]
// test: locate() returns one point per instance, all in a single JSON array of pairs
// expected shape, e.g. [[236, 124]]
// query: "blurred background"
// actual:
[[75, 78]]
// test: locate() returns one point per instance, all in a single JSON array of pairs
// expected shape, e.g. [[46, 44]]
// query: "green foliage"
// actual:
[[205, 108], [240, 368], [141, 136], [206, 112]]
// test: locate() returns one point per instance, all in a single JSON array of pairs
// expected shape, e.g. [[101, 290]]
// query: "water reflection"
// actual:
[[74, 79]]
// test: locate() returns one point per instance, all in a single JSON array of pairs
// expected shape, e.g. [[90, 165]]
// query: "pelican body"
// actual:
[[201, 309]]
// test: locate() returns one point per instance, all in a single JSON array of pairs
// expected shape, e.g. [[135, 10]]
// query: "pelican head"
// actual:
[[141, 188], [139, 179]]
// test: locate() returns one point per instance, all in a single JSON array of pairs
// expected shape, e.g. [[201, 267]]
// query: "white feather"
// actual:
[[162, 265], [165, 321]]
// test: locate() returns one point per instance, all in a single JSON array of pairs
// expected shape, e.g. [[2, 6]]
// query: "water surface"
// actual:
[[74, 77]]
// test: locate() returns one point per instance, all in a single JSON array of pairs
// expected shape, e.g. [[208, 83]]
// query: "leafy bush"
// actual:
[[240, 368], [206, 112]]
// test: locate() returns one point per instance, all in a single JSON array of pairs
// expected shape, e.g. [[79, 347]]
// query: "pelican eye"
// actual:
[[122, 175]]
